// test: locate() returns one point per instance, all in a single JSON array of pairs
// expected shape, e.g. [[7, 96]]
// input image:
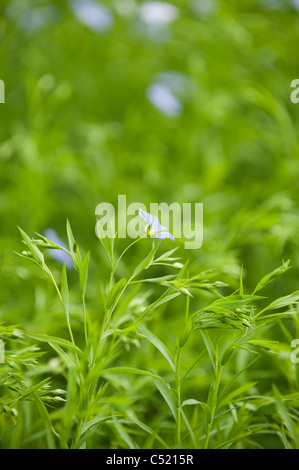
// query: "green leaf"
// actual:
[[166, 256], [52, 339], [36, 253], [93, 422], [165, 392], [74, 249], [227, 354], [272, 276], [129, 370], [285, 439], [284, 414], [158, 344], [70, 236], [110, 332], [84, 273], [115, 291], [46, 420], [185, 333], [265, 344], [210, 348], [232, 302], [149, 431], [235, 393], [162, 279], [106, 241], [284, 301], [164, 298], [147, 260], [239, 437], [64, 356], [189, 429], [204, 406], [241, 281], [123, 434], [65, 293], [34, 388], [7, 430]]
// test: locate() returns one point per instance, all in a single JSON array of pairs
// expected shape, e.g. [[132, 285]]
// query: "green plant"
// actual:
[[104, 398]]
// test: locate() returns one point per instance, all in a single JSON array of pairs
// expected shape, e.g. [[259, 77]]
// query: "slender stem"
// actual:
[[187, 309], [106, 319], [209, 427], [60, 297], [213, 404], [54, 282], [84, 317], [47, 270], [178, 390], [109, 312], [122, 254]]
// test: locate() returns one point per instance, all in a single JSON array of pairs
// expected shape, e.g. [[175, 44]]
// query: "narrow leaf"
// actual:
[[52, 339], [84, 273], [147, 260], [65, 293], [158, 344]]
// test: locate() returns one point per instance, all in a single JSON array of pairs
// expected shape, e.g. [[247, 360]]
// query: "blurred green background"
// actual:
[[185, 101]]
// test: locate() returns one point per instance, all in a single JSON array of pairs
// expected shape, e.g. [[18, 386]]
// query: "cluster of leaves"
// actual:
[[180, 400]]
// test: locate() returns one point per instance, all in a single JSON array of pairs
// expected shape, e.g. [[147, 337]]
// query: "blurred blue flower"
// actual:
[[156, 18], [59, 255], [94, 15], [296, 4], [167, 91], [157, 230], [162, 97]]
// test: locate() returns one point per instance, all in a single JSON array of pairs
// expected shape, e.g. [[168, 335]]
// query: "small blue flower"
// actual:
[[158, 13], [94, 15], [157, 230], [57, 254], [162, 97]]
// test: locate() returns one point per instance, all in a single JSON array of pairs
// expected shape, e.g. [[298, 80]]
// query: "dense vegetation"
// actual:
[[149, 347]]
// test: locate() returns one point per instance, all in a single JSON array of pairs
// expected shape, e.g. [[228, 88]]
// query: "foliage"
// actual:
[[128, 348], [100, 393]]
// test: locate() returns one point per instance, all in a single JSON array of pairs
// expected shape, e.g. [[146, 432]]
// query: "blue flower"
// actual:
[[168, 92], [94, 15], [158, 13], [156, 229], [60, 255], [162, 97]]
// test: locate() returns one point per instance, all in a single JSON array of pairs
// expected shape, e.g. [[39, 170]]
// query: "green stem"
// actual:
[[60, 297], [54, 282], [213, 403], [106, 320], [122, 254], [84, 318], [109, 312], [209, 427], [178, 390]]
